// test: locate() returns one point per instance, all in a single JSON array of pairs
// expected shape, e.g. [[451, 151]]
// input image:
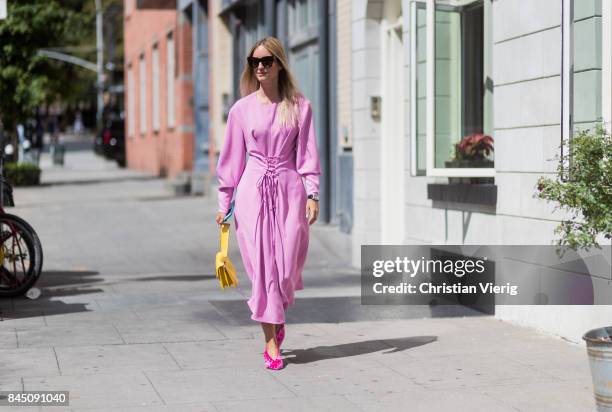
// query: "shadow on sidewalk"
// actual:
[[301, 356], [174, 278], [53, 284], [77, 284], [55, 278], [114, 179], [337, 309]]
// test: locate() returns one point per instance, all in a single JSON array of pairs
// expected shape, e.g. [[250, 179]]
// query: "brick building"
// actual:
[[158, 85]]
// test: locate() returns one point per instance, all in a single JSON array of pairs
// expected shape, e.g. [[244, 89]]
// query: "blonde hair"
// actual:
[[288, 110]]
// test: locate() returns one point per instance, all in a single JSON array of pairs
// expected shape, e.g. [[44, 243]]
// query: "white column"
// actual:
[[430, 84]]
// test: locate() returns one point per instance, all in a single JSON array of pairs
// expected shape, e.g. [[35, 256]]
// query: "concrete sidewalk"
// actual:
[[131, 318]]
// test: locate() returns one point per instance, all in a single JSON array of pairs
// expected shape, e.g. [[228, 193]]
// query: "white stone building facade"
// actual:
[[526, 72]]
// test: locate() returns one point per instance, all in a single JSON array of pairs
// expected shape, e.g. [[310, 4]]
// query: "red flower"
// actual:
[[474, 146]]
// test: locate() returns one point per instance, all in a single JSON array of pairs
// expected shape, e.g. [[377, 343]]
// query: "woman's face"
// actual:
[[265, 74]]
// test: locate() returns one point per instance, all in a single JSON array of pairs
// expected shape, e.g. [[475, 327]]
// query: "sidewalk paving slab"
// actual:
[[127, 388], [132, 318]]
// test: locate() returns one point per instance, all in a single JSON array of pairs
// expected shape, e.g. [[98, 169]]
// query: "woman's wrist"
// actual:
[[314, 196]]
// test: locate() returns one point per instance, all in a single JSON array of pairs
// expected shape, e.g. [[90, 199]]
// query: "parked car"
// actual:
[[110, 142]]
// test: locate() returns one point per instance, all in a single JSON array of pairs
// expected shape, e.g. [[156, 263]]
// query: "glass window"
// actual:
[[142, 101], [459, 84], [305, 62], [586, 73], [313, 12], [420, 97], [303, 15], [131, 96], [291, 18], [156, 80], [457, 138], [301, 69], [253, 27], [170, 73], [129, 7]]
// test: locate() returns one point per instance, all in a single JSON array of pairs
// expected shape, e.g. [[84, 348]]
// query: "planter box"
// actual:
[[482, 194]]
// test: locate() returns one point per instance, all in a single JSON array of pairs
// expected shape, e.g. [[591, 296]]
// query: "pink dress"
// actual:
[[270, 200]]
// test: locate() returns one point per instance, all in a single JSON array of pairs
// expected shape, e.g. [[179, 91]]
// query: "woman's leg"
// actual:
[[269, 330]]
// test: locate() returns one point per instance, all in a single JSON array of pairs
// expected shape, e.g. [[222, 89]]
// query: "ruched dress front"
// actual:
[[271, 168]]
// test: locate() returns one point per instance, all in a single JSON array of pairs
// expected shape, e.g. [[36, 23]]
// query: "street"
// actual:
[[132, 318]]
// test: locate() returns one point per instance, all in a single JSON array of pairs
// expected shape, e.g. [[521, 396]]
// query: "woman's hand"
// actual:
[[312, 211], [219, 217]]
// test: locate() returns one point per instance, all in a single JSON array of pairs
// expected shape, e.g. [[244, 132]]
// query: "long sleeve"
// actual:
[[307, 156], [232, 161]]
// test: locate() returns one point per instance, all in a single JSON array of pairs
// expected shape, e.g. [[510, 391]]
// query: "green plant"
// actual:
[[583, 187], [22, 174]]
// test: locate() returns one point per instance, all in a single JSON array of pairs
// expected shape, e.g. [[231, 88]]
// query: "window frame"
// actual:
[[414, 6], [430, 115], [142, 94], [131, 96], [156, 88], [170, 77], [567, 63], [130, 5], [302, 34]]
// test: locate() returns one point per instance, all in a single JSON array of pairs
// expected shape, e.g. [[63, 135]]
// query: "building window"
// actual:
[[583, 33], [170, 73], [142, 87], [586, 93], [303, 50], [418, 79], [131, 96], [254, 27], [586, 73], [303, 15], [129, 7], [156, 86], [448, 86]]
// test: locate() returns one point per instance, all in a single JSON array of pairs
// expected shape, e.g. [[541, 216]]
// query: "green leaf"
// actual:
[[587, 192]]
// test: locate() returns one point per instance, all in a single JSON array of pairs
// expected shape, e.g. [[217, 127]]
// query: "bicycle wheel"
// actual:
[[18, 268], [38, 252]]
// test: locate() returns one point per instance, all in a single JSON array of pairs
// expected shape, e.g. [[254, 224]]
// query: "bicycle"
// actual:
[[21, 255]]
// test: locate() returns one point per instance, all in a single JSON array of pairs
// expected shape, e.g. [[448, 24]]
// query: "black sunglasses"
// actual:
[[267, 61]]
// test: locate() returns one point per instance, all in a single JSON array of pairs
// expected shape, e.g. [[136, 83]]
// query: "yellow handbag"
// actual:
[[226, 273]]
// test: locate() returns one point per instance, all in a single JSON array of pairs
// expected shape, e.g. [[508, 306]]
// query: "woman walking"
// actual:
[[277, 189]]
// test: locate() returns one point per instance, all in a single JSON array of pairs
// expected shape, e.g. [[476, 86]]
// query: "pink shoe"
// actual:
[[280, 335], [274, 364]]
